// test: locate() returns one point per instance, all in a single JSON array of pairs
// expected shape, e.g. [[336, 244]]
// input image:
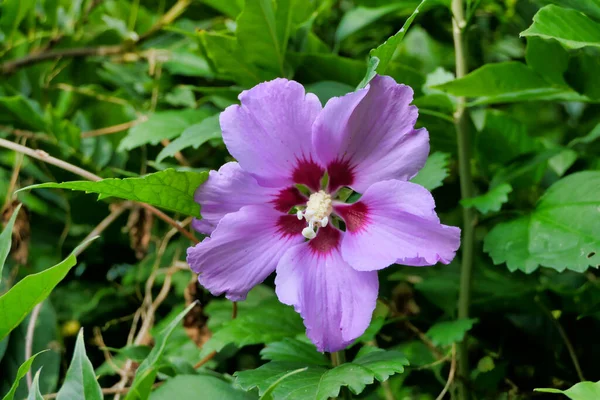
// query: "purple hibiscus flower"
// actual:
[[326, 253]]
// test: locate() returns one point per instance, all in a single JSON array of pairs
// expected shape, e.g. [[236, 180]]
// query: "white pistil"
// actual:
[[318, 209]]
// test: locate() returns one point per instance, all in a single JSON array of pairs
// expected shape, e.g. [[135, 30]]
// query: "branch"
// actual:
[[450, 375], [29, 338]]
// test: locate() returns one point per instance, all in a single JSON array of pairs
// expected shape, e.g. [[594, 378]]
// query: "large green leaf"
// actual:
[[194, 386], [34, 391], [31, 290], [505, 83], [148, 369], [80, 381], [162, 125], [434, 172], [6, 239], [571, 28], [169, 189], [548, 58], [580, 391], [23, 369], [294, 350], [448, 332], [563, 232], [194, 136], [270, 321], [589, 7], [317, 383], [490, 201]]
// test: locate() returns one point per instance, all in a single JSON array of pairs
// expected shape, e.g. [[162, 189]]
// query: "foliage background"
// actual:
[[123, 88]]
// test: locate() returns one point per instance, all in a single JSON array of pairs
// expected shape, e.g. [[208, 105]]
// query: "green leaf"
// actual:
[[194, 136], [183, 61], [316, 383], [162, 125], [6, 239], [580, 391], [589, 7], [294, 350], [386, 51], [325, 90], [80, 381], [169, 189], [13, 12], [34, 391], [263, 32], [31, 290], [434, 172], [505, 83], [491, 201], [372, 65], [359, 17], [446, 333], [25, 111], [548, 58], [563, 232], [571, 28], [148, 369], [193, 386], [23, 369], [270, 321]]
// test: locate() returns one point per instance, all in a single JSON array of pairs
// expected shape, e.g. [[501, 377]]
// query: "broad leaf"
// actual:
[[169, 189], [194, 136], [571, 28], [589, 7], [294, 350], [548, 58], [434, 172], [31, 290], [446, 333], [580, 391], [491, 201], [34, 391], [23, 369], [162, 125], [563, 232], [382, 363], [80, 381], [194, 386], [507, 82], [6, 239], [148, 369]]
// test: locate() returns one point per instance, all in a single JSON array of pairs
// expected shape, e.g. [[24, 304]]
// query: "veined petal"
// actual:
[[335, 301], [231, 188], [368, 136], [270, 133], [243, 250], [395, 222]]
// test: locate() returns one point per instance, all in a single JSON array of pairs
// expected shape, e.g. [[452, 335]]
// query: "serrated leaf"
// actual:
[[194, 136], [294, 350], [31, 290], [194, 386], [270, 321], [169, 189], [571, 28], [580, 391], [23, 369], [563, 232], [446, 333], [34, 391], [148, 369], [386, 51], [434, 172], [80, 381], [6, 239], [491, 201], [382, 363], [162, 125], [507, 82]]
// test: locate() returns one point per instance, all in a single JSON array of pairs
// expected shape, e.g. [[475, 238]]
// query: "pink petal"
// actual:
[[231, 188], [335, 301], [270, 133], [395, 222], [243, 250], [368, 136]]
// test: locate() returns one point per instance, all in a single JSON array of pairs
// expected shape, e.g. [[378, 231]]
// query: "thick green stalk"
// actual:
[[466, 188]]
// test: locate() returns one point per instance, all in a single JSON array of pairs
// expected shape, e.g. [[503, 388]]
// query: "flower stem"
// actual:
[[338, 358], [466, 188]]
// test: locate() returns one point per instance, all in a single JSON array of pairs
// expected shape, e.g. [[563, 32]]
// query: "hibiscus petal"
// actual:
[[243, 250], [270, 133], [335, 301], [368, 136], [395, 222], [231, 188]]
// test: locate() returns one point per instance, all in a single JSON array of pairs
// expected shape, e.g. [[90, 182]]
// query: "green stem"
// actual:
[[466, 188]]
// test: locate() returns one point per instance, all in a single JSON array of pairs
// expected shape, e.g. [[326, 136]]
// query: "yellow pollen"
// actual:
[[318, 209]]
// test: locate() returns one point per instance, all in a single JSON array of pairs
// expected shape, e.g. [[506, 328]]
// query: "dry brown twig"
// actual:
[[450, 374]]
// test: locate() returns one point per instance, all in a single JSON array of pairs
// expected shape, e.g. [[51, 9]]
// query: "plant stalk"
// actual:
[[466, 188]]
